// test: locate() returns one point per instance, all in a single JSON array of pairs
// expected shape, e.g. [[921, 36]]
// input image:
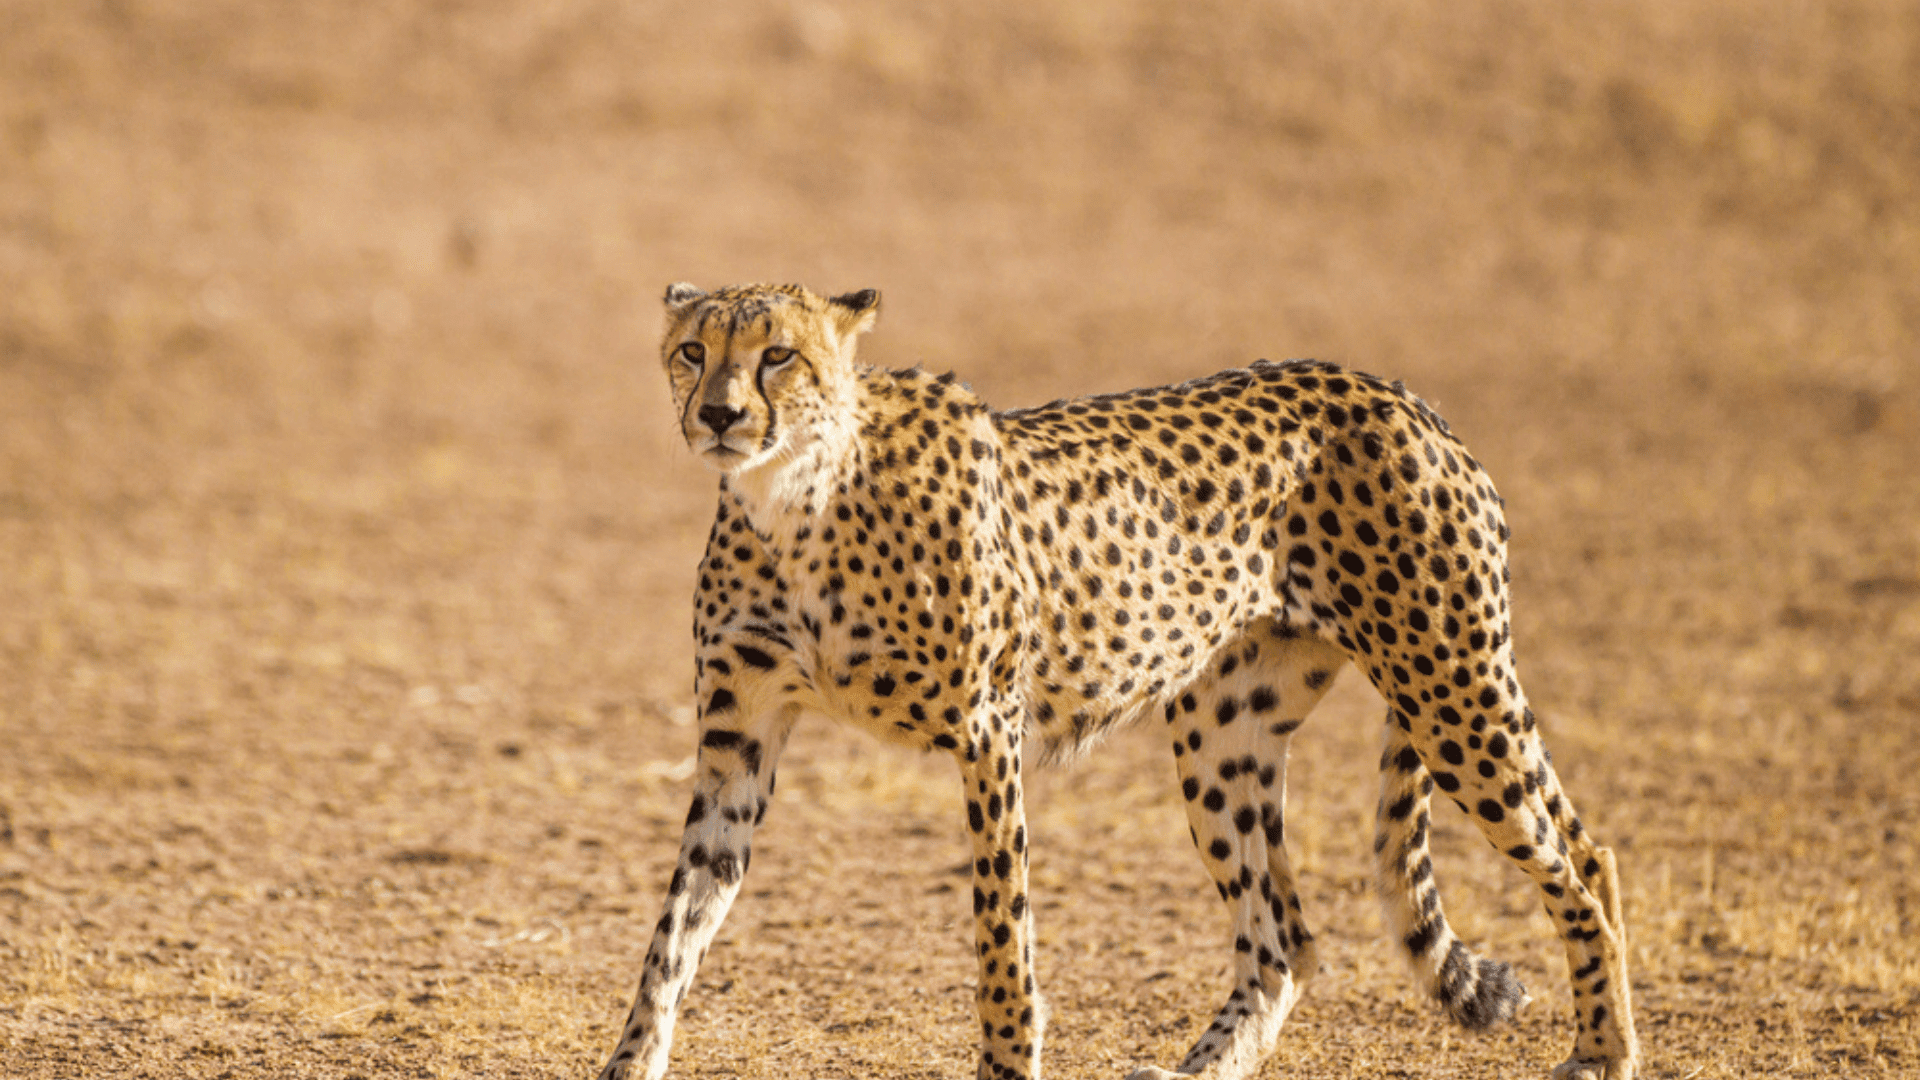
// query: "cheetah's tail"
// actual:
[[1476, 992]]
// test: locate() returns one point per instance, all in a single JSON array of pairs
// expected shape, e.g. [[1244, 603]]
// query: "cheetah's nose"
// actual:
[[719, 418]]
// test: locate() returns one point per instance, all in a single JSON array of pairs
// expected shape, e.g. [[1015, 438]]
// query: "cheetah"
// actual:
[[889, 551]]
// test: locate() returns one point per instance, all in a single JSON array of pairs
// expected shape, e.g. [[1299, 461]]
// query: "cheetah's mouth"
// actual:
[[725, 453]]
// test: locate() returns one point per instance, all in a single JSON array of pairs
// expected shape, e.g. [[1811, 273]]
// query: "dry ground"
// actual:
[[345, 542]]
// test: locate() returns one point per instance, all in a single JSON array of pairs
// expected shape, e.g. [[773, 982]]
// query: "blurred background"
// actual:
[[345, 538]]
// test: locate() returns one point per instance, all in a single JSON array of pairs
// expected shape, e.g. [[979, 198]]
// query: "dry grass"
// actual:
[[348, 539]]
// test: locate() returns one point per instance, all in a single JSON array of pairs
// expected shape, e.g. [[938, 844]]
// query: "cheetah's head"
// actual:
[[761, 372]]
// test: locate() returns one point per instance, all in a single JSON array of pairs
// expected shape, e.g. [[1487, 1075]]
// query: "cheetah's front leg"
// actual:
[[1012, 1015], [1232, 729], [735, 779]]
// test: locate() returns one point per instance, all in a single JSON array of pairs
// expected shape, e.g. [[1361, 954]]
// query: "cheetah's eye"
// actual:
[[691, 352], [774, 356]]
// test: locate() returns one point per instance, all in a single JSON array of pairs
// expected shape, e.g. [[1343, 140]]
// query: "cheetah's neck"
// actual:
[[797, 483]]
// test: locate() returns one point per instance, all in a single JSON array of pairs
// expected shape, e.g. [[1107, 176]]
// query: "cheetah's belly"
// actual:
[[1130, 638]]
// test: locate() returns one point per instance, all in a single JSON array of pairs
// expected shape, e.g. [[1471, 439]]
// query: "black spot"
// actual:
[[1422, 939], [753, 656]]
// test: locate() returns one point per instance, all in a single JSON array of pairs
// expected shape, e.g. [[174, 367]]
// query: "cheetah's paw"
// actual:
[[1594, 1069]]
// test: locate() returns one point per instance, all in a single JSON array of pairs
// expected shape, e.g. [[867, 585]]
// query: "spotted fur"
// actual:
[[891, 552]]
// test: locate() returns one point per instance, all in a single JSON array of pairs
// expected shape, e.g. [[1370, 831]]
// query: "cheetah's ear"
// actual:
[[854, 313], [680, 294]]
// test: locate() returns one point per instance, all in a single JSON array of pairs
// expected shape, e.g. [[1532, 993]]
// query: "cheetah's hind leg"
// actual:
[[1606, 887], [1476, 992]]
